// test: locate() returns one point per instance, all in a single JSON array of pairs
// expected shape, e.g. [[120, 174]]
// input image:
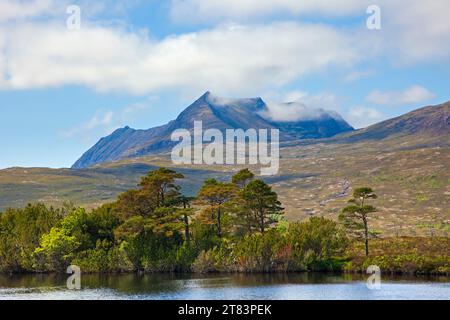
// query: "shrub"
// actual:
[[317, 245], [266, 252], [218, 259]]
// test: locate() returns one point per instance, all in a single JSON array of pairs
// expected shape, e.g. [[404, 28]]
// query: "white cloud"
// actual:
[[13, 9], [361, 117], [135, 108], [295, 111], [295, 95], [412, 95], [416, 30], [207, 10], [99, 121], [16, 10], [103, 122], [356, 75], [300, 105], [228, 59], [412, 30]]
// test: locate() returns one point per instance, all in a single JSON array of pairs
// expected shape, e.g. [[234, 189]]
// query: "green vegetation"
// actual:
[[236, 226], [410, 255], [355, 216]]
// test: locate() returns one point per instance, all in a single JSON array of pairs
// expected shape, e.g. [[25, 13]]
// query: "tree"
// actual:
[[244, 222], [20, 233], [184, 213], [355, 216], [77, 233], [136, 202], [162, 181], [156, 190], [216, 194], [56, 250], [242, 178], [262, 202], [153, 216]]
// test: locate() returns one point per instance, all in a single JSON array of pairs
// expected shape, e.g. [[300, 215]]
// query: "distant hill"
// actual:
[[431, 121], [216, 113]]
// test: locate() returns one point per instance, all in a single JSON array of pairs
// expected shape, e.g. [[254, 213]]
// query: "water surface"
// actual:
[[222, 287]]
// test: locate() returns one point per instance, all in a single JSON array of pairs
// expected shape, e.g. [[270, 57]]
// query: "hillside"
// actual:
[[430, 121]]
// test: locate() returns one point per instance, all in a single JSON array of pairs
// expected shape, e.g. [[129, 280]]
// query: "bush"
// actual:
[[268, 252], [205, 262], [317, 245], [218, 259], [119, 261]]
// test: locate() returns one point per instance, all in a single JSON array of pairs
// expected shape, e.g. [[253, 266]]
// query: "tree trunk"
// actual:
[[186, 229], [366, 236], [249, 222], [262, 223], [219, 223]]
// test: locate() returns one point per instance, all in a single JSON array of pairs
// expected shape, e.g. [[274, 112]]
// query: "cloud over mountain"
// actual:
[[37, 51], [227, 58], [296, 111]]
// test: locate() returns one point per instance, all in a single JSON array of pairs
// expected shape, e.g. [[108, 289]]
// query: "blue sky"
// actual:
[[140, 63]]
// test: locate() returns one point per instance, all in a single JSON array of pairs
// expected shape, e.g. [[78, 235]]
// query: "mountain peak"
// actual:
[[205, 96], [249, 104], [215, 112]]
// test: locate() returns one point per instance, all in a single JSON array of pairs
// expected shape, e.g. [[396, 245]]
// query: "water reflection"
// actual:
[[222, 286]]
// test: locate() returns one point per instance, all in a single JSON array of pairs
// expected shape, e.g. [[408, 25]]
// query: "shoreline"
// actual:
[[143, 273]]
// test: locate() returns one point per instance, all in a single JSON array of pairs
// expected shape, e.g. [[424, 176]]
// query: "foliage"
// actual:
[[268, 252], [317, 245], [215, 194], [403, 255], [161, 182], [242, 178], [217, 259], [20, 233], [78, 234], [261, 202], [230, 227], [355, 216], [57, 249]]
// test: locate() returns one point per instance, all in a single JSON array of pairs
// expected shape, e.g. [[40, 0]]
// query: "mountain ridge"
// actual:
[[428, 120], [218, 113]]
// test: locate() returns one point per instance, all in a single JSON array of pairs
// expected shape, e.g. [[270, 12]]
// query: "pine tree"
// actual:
[[262, 202], [355, 216], [216, 194]]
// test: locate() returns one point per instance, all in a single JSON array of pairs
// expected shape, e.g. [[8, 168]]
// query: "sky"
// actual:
[[68, 79]]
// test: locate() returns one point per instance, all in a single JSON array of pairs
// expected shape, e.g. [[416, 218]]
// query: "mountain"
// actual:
[[216, 113], [430, 121]]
